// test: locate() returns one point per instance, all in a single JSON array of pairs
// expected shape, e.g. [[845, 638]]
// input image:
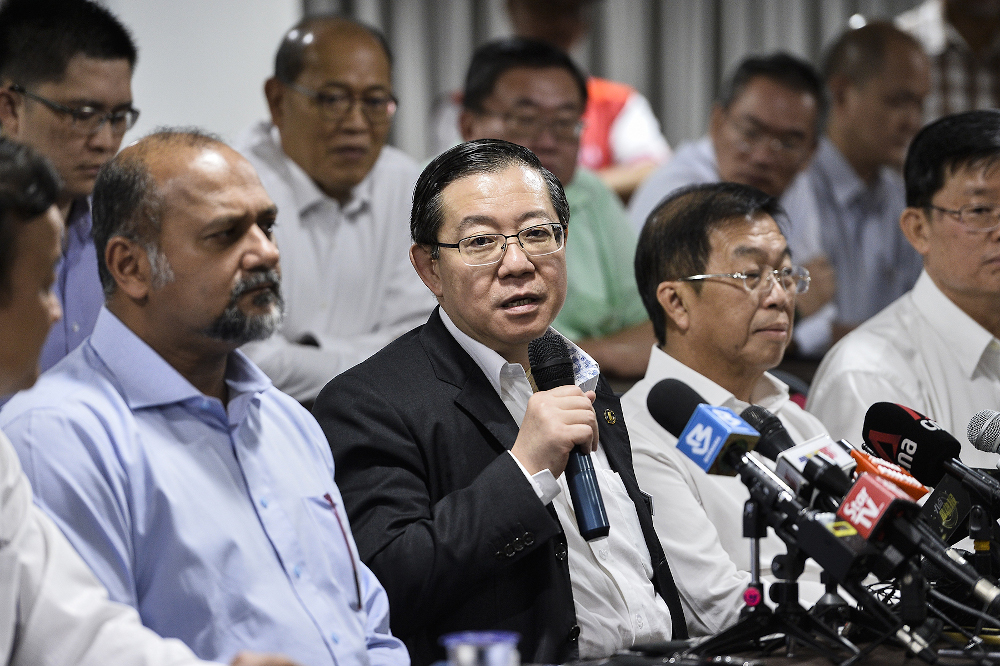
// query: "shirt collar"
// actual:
[[845, 184], [769, 392], [158, 383], [493, 365], [966, 337], [78, 221], [308, 195]]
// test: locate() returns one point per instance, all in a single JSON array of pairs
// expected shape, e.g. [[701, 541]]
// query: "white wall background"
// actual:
[[203, 62]]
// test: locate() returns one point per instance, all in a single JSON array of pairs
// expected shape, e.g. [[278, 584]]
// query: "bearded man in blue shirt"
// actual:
[[196, 491]]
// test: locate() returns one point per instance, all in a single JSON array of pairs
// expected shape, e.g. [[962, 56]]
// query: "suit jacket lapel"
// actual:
[[476, 396]]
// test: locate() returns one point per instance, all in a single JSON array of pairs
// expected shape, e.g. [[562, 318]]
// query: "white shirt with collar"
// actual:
[[346, 276], [616, 604], [684, 495], [922, 352]]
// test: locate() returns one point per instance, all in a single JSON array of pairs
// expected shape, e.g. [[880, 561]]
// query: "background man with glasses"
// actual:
[[65, 90], [936, 348], [531, 93], [451, 465], [715, 273], [343, 199], [762, 132]]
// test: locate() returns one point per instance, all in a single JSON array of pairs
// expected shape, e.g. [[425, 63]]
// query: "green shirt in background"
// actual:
[[602, 297]]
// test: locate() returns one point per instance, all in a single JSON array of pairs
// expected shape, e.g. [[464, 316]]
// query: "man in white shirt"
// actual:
[[762, 132], [715, 273], [452, 467], [343, 200], [935, 349], [52, 608]]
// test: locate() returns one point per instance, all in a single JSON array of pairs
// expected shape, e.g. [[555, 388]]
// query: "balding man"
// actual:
[[197, 492], [343, 201], [878, 78]]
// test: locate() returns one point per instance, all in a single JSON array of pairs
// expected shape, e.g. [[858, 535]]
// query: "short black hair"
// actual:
[[289, 61], [467, 159], [39, 37], [859, 54], [674, 242], [492, 60], [959, 141], [29, 185], [126, 199], [785, 69]]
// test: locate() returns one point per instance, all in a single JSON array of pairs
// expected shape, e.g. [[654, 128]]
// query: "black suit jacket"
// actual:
[[451, 527]]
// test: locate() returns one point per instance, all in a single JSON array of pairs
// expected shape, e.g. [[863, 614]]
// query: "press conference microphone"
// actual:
[[929, 451], [885, 516], [911, 440], [714, 438], [551, 366], [773, 437], [984, 431]]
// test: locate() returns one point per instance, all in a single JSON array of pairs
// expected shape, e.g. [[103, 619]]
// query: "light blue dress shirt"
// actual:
[[875, 264], [77, 286], [221, 524]]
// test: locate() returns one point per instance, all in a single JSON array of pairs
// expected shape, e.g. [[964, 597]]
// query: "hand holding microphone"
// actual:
[[559, 431]]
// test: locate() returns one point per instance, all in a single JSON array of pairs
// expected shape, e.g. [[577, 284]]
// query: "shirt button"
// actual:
[[638, 620], [76, 327], [603, 554], [263, 502], [297, 571], [335, 638]]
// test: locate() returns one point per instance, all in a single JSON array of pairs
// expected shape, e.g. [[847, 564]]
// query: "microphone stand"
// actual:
[[788, 618]]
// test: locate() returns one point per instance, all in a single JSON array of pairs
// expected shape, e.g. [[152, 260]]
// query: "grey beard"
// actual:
[[236, 326]]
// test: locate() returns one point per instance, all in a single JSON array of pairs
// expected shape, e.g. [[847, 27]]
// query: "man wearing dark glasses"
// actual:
[[65, 90]]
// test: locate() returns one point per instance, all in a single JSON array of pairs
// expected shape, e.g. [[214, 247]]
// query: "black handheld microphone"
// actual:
[[551, 366]]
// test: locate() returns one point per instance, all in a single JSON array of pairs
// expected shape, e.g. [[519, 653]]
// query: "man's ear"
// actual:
[[10, 112], [672, 297], [274, 91], [715, 122], [467, 125], [916, 226], [128, 263], [427, 268]]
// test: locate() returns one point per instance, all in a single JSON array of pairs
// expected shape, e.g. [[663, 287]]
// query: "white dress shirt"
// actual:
[[346, 277], [922, 352], [616, 604], [683, 494], [52, 609]]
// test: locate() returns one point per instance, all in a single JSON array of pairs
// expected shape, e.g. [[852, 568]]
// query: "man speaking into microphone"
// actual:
[[717, 278], [452, 468]]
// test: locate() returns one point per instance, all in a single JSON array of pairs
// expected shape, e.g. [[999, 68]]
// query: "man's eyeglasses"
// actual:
[[486, 249], [976, 218], [527, 124], [793, 279], [378, 107], [750, 134], [87, 119]]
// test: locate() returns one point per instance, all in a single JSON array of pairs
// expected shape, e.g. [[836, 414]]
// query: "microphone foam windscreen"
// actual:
[[551, 365], [671, 403], [984, 430], [773, 437], [910, 439]]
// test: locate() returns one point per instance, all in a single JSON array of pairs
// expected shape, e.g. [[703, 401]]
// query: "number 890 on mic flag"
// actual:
[[715, 437]]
